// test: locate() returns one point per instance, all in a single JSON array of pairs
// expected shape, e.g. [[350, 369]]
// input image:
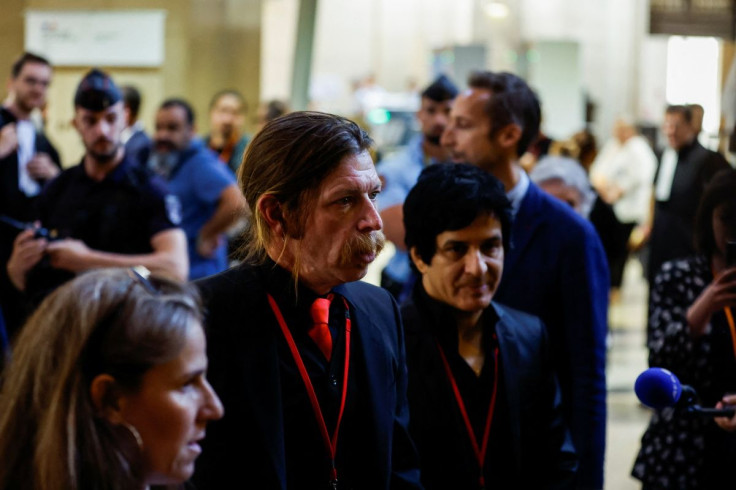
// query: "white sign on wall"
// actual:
[[97, 38]]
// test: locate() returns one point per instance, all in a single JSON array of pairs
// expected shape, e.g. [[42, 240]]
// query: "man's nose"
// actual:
[[371, 220], [475, 264], [448, 137]]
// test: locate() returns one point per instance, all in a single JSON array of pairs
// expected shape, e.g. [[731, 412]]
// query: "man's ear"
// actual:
[[420, 264], [105, 394], [508, 136], [272, 212]]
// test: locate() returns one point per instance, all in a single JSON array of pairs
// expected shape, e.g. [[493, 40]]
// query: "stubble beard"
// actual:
[[105, 158]]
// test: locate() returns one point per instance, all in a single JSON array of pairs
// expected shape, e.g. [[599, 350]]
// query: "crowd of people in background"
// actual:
[[479, 362]]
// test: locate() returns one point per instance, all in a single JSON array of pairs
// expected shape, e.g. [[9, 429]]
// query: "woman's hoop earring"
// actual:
[[134, 432]]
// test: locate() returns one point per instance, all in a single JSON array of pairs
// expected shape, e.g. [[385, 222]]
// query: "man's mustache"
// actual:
[[364, 244]]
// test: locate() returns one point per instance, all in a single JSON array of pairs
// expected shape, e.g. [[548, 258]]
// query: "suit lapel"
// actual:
[[524, 226], [509, 352], [377, 366]]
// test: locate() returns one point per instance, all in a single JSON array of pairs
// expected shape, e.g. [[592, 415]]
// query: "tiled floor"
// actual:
[[627, 357]]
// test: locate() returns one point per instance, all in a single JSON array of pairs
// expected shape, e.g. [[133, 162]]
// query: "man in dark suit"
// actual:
[[480, 374], [27, 159], [308, 362], [684, 169], [555, 267]]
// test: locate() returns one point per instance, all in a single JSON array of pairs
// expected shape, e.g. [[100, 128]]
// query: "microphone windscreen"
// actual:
[[658, 388]]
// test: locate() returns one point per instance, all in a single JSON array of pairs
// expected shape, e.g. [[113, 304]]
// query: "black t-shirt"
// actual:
[[119, 214]]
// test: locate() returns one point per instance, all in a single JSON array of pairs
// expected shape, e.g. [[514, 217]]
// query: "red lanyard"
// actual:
[[480, 452], [330, 442]]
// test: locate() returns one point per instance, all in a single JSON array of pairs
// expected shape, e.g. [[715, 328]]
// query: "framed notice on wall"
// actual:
[[97, 37]]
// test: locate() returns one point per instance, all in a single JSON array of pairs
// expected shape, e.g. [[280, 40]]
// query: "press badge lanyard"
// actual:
[[330, 442], [480, 452]]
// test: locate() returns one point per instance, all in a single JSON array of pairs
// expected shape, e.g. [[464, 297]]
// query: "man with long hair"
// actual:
[[309, 361]]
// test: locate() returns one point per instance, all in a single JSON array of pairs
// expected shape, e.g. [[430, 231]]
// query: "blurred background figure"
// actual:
[[137, 143], [107, 211], [227, 117], [28, 160], [622, 174], [400, 171], [209, 197], [691, 305], [565, 179], [684, 170], [268, 111], [107, 387]]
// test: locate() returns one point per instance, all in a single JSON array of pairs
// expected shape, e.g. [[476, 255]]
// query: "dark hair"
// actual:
[[721, 190], [440, 90], [27, 58], [449, 197], [232, 92], [512, 102], [274, 109], [131, 99], [288, 159], [684, 110], [177, 102]]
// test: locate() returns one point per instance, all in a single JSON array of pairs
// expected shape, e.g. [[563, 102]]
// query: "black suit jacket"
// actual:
[[15, 204], [673, 227], [247, 444], [139, 147], [542, 448]]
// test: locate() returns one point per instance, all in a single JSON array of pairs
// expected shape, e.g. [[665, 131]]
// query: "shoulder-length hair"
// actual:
[[107, 321], [289, 158], [720, 190]]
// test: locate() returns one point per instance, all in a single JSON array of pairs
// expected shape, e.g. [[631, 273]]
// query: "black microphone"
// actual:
[[658, 388]]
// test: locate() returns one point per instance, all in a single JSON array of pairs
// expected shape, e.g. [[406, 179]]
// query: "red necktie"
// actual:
[[320, 331]]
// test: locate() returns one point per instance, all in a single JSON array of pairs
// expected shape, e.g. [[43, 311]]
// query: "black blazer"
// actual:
[[13, 201], [15, 204], [673, 235], [542, 447], [247, 444]]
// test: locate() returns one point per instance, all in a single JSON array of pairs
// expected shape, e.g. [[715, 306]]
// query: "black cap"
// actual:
[[440, 90], [96, 92]]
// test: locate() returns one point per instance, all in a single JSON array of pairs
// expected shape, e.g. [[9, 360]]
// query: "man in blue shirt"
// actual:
[[209, 197], [399, 173]]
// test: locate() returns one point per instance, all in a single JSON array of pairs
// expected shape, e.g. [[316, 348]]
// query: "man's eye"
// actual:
[[490, 249], [456, 251], [373, 195]]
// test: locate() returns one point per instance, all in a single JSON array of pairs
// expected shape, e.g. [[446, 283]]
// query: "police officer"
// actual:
[[105, 212]]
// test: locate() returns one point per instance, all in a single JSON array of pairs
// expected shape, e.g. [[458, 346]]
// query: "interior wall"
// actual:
[[209, 45]]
